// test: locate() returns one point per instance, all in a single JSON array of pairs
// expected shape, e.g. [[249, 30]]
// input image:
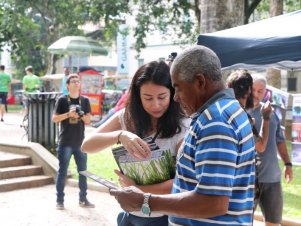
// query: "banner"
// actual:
[[296, 129], [123, 48]]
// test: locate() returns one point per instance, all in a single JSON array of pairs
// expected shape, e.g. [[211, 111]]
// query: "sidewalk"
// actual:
[[36, 206], [11, 128]]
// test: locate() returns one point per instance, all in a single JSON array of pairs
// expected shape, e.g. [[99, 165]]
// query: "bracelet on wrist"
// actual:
[[118, 138], [288, 164]]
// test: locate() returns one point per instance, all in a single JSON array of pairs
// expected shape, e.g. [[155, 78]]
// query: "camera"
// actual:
[[172, 56], [79, 111]]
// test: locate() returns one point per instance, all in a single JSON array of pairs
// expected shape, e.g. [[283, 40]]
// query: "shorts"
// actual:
[[3, 97], [25, 101], [270, 200]]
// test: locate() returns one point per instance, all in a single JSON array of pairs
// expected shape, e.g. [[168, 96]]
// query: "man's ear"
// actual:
[[200, 78]]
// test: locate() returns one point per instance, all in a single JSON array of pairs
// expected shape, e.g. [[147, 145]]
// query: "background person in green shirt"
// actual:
[[31, 84], [5, 89]]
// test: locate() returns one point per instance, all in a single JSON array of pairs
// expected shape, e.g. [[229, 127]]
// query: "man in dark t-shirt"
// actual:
[[72, 111]]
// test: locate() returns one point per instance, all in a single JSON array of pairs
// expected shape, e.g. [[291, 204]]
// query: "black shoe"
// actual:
[[60, 206], [86, 204], [2, 120]]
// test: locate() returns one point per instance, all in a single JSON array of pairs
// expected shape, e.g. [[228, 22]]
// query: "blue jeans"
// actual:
[[127, 219], [64, 155]]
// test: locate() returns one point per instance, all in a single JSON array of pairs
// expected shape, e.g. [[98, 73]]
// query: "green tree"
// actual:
[[30, 26]]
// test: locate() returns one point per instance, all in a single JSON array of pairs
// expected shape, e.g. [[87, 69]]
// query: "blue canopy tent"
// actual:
[[273, 42]]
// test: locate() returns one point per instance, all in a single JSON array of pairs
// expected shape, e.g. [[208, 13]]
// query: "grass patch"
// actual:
[[103, 164], [291, 191]]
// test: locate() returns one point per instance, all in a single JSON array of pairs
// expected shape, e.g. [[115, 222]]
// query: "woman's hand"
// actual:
[[136, 147], [124, 181]]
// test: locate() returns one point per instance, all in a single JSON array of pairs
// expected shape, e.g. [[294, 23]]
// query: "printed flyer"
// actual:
[[158, 168]]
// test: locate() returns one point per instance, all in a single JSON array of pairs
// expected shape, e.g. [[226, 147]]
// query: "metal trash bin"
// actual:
[[41, 129]]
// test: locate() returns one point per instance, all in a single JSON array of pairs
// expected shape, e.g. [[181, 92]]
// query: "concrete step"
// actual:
[[20, 171], [9, 160], [24, 182]]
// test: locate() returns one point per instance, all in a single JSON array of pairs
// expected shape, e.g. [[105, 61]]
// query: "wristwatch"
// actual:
[[145, 209], [288, 164]]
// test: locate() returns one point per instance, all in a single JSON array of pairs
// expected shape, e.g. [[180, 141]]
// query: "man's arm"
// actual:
[[190, 205], [87, 109], [60, 117], [57, 116], [87, 118], [186, 204], [9, 90], [288, 171]]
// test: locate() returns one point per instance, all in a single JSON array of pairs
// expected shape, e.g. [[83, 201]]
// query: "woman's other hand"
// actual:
[[124, 181]]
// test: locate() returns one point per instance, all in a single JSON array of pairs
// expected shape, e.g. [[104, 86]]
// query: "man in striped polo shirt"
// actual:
[[214, 183]]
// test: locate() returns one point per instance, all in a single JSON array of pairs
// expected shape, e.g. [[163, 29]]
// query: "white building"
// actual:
[[5, 59]]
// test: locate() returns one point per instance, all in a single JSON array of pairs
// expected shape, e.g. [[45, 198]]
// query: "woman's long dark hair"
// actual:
[[137, 120]]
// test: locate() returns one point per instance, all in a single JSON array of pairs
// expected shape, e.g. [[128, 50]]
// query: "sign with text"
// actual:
[[123, 50]]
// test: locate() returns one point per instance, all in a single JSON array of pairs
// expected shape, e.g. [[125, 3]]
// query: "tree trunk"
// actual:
[[274, 75], [218, 15], [276, 7]]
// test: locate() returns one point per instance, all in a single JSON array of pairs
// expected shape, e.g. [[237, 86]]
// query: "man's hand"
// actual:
[[72, 112], [266, 110], [129, 198], [288, 173]]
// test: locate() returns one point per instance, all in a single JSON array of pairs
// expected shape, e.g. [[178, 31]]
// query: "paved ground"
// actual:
[[11, 128], [36, 206]]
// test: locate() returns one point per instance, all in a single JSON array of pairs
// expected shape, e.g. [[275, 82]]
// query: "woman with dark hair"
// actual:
[[149, 111]]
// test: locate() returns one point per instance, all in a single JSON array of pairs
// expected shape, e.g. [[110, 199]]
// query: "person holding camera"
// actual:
[[72, 111]]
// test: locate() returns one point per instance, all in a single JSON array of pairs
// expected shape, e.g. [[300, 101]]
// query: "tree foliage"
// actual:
[[262, 9], [30, 26], [168, 17]]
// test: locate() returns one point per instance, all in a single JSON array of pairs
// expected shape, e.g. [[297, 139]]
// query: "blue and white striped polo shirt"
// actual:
[[217, 158]]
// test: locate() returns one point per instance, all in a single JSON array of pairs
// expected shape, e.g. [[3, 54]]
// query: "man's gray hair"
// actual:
[[259, 77], [197, 60]]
